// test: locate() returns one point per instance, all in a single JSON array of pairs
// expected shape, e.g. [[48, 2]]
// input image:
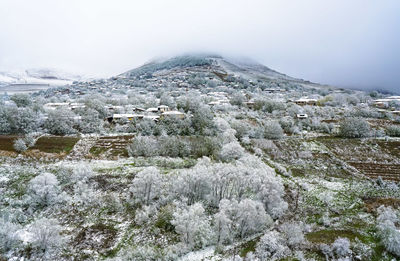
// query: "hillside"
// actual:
[[199, 158], [245, 68]]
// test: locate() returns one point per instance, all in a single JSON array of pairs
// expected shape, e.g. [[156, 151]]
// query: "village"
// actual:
[[199, 157]]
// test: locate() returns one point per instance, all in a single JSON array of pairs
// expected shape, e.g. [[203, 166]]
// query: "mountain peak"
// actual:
[[243, 67]]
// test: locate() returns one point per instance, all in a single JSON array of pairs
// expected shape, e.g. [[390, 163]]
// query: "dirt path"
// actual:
[[81, 148]]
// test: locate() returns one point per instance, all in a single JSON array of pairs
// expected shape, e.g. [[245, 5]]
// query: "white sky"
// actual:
[[344, 42]]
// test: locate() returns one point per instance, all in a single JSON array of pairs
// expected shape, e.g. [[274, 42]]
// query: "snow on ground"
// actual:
[[24, 235], [331, 185], [207, 252]]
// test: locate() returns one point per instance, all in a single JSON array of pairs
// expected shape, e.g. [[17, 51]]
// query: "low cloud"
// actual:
[[345, 43]]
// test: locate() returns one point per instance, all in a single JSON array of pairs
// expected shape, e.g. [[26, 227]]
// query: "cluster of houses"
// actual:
[[65, 105], [155, 114], [306, 101], [386, 102], [219, 98]]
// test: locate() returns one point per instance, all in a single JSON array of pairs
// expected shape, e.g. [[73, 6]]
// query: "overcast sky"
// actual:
[[351, 43]]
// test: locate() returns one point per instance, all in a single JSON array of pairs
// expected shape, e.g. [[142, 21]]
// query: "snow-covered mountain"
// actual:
[[245, 68], [38, 76]]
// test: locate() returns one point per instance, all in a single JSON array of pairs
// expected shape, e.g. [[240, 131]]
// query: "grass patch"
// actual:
[[329, 236], [249, 246], [96, 151], [7, 142], [55, 144]]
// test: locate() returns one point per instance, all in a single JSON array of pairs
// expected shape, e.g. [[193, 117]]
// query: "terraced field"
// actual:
[[111, 145], [375, 170]]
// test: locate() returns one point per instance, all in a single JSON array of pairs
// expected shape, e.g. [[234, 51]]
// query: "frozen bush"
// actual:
[[20, 146], [8, 235], [228, 136], [387, 231], [362, 251], [46, 238], [82, 172], [272, 247], [84, 194], [146, 186], [393, 131], [44, 189], [354, 128], [30, 140], [341, 248], [143, 216], [231, 151], [293, 233]]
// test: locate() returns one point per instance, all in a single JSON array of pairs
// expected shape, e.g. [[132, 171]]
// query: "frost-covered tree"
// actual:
[[222, 227], [202, 119], [44, 189], [21, 99], [96, 103], [146, 186], [193, 226], [5, 126], [247, 216], [60, 122], [143, 146], [23, 120], [90, 122], [273, 130], [211, 183], [354, 128], [145, 127], [172, 146], [166, 99], [238, 99]]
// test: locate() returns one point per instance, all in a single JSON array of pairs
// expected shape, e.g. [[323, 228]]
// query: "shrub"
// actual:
[[231, 151], [20, 146], [393, 131], [193, 226], [354, 128], [143, 146], [273, 130], [387, 231]]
